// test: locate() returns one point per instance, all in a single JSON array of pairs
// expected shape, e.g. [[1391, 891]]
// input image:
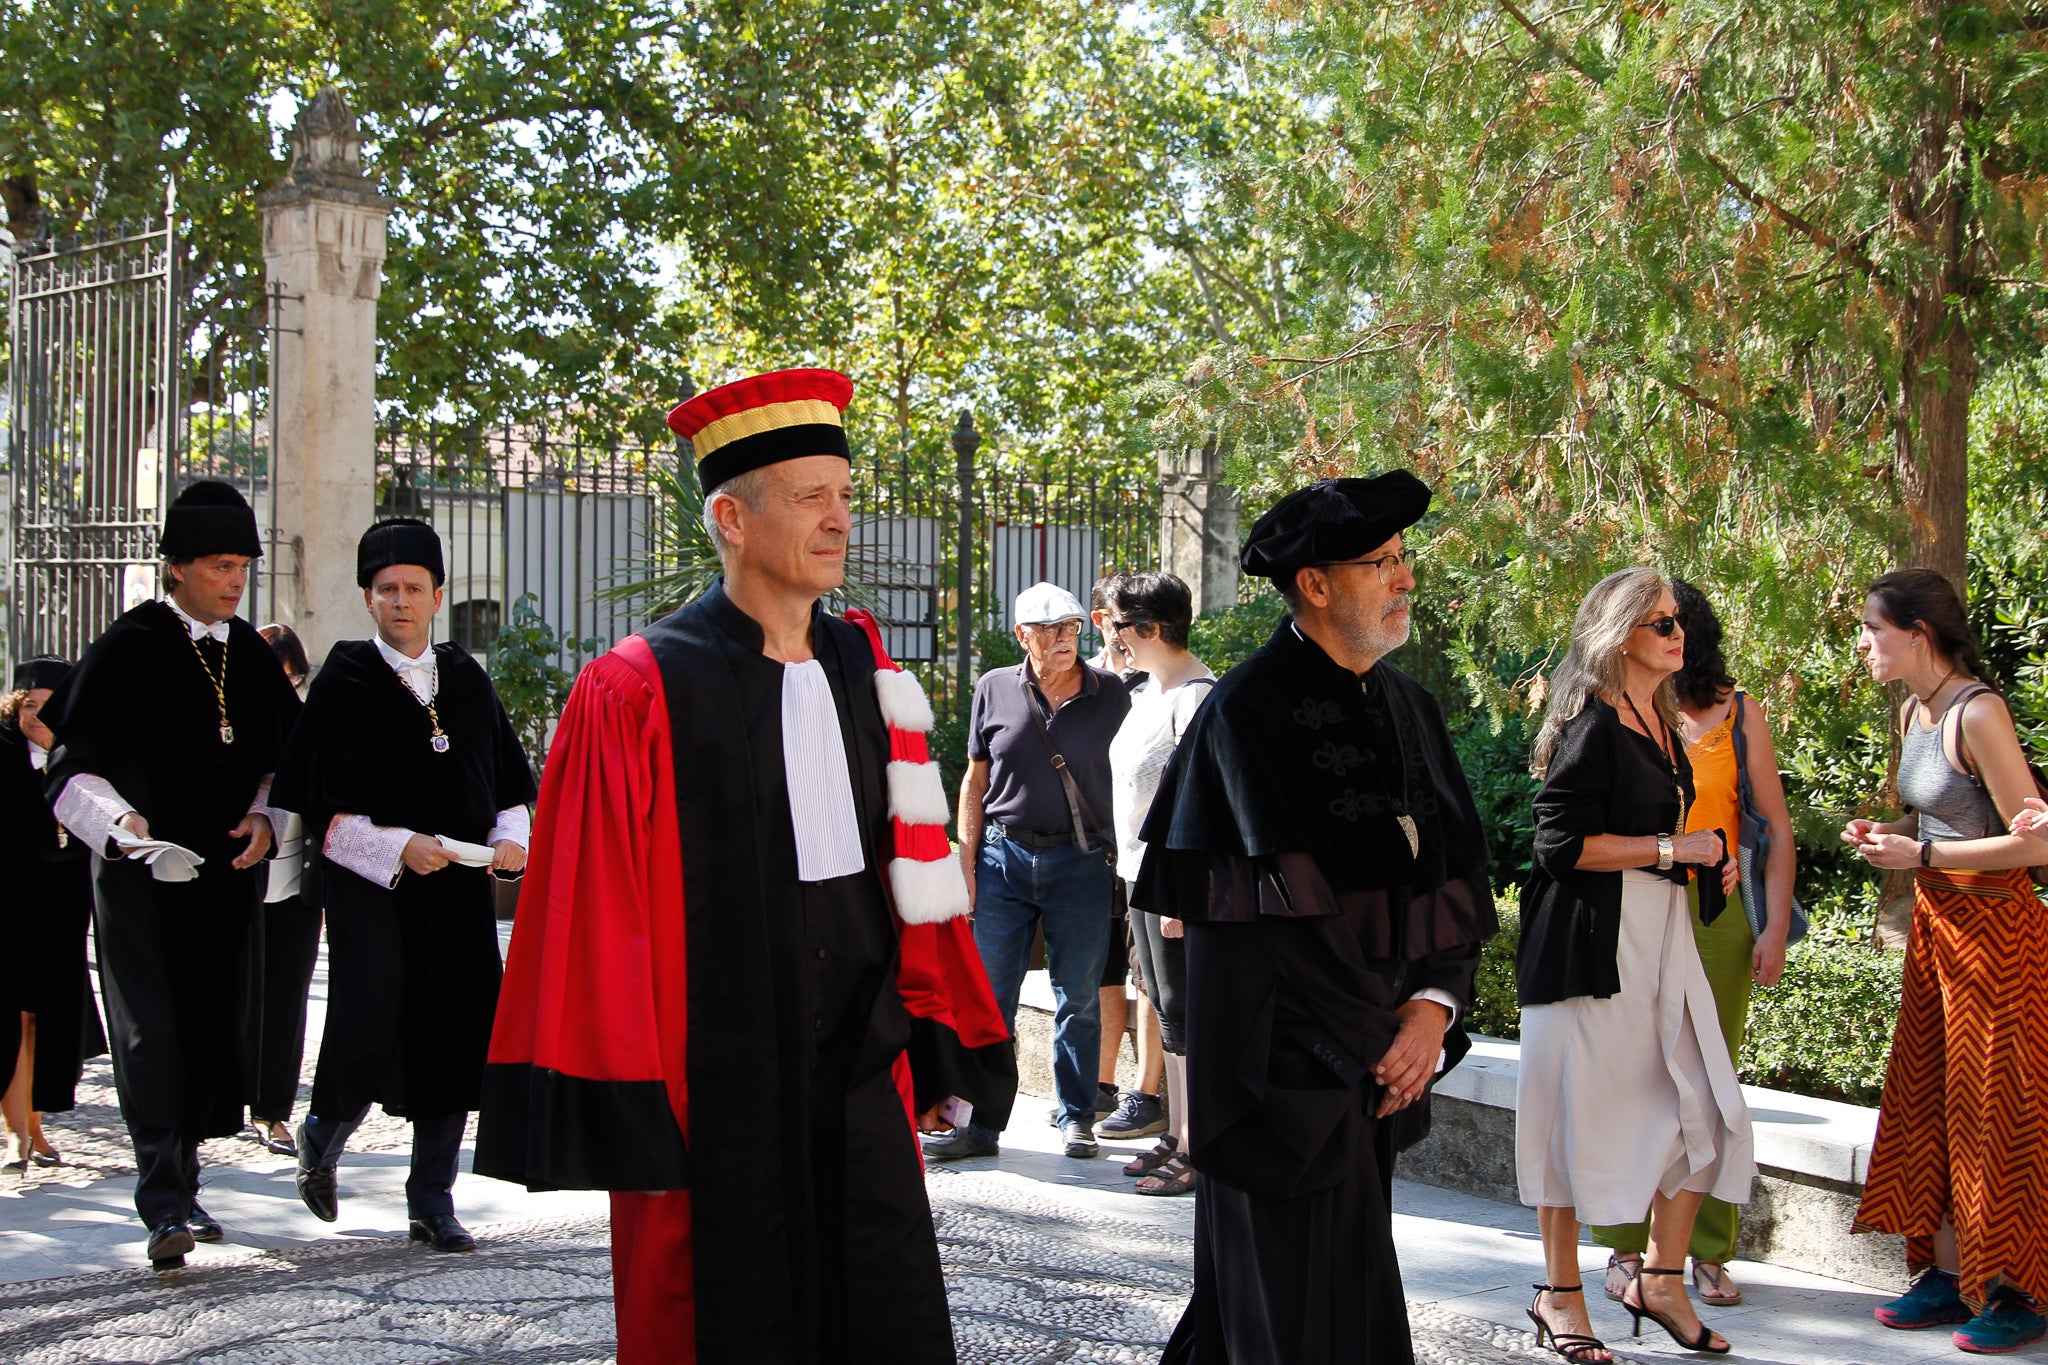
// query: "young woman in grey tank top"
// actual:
[[1972, 1036]]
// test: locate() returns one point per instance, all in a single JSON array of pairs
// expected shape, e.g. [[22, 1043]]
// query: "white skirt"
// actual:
[[1625, 1097]]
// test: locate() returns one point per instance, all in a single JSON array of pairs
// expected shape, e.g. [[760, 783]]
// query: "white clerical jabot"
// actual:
[[217, 629], [417, 674], [814, 770]]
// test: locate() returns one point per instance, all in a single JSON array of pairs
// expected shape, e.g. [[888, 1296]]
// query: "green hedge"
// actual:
[[1824, 1030]]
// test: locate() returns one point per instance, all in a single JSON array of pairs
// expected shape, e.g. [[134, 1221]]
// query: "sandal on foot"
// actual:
[[1573, 1346], [1144, 1163], [1638, 1310], [1622, 1268], [1176, 1175], [1710, 1281]]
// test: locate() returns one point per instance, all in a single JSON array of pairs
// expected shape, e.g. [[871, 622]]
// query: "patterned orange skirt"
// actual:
[[1962, 1129]]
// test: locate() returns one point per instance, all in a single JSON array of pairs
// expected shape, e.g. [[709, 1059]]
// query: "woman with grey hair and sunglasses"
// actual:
[[1627, 1099]]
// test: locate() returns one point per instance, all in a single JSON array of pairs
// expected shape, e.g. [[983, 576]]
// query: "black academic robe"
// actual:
[[1277, 835], [683, 1014], [48, 910], [180, 962], [413, 969]]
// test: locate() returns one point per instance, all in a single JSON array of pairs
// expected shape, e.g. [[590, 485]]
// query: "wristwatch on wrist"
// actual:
[[1927, 853], [1664, 853]]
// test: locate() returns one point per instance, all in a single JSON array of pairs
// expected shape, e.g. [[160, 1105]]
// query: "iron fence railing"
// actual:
[[524, 512]]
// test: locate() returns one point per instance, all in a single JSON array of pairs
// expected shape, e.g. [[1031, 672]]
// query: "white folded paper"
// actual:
[[469, 855], [167, 862]]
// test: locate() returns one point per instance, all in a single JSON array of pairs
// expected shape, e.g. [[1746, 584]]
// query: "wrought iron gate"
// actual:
[[114, 403], [92, 409]]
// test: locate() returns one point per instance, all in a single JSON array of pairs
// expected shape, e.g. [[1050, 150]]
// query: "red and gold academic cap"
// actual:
[[762, 420]]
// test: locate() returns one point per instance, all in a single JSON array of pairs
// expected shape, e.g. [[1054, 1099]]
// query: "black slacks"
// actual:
[[167, 1174], [291, 947], [436, 1156]]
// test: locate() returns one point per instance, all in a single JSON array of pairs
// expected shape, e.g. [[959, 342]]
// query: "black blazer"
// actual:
[[1604, 778]]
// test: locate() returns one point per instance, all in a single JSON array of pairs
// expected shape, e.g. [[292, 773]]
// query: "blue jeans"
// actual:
[[1015, 888]]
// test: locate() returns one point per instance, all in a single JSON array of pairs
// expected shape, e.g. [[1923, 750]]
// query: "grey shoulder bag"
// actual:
[[1753, 837]]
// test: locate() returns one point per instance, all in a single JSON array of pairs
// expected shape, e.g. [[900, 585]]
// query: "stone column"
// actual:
[[1198, 525], [323, 244]]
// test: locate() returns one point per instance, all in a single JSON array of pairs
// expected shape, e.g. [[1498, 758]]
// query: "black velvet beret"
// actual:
[[399, 540], [209, 518], [45, 670], [1331, 520]]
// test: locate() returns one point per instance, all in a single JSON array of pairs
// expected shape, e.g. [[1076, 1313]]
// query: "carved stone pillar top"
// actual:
[[327, 158]]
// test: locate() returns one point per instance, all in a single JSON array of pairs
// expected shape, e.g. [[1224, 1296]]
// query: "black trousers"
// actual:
[[436, 1156], [1163, 973], [291, 947], [167, 1174]]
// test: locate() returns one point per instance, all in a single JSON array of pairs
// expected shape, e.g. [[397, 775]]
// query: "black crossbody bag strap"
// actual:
[[1077, 804]]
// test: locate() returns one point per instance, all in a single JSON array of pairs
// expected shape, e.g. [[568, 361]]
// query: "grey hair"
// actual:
[[744, 489], [1593, 666]]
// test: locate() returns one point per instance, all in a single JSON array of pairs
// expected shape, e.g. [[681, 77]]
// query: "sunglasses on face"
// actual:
[[1119, 627], [1667, 626]]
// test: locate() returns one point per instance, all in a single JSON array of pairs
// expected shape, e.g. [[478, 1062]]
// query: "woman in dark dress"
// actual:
[[291, 948], [48, 1022]]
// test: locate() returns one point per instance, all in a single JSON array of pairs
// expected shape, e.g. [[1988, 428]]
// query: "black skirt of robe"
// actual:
[[413, 971], [47, 914]]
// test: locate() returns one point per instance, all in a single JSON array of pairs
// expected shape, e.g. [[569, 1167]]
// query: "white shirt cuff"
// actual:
[[514, 823], [373, 852], [90, 808], [1444, 998]]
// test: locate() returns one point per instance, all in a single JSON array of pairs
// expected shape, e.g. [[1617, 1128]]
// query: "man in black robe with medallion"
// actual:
[[407, 767], [168, 732], [1317, 836]]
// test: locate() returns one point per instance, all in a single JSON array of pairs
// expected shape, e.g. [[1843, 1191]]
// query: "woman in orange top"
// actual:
[[1734, 956]]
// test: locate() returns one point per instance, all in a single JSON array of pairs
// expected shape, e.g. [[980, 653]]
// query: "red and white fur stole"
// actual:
[[924, 875]]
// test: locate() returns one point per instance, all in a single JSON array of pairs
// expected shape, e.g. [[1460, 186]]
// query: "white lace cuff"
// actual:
[[277, 818], [514, 823], [373, 852], [90, 808]]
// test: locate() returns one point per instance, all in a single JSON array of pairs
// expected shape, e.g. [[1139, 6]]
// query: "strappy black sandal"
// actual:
[[1571, 1345], [1639, 1311], [1144, 1163]]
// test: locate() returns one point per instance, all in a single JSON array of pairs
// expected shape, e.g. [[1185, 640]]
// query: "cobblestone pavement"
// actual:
[[1032, 1279]]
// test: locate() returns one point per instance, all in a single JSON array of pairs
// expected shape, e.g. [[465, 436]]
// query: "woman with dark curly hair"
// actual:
[[1734, 953]]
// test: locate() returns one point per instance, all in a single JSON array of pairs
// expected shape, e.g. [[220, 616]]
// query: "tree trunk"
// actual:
[[1932, 450]]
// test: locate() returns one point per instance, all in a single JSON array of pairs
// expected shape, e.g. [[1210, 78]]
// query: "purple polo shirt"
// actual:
[[1023, 787]]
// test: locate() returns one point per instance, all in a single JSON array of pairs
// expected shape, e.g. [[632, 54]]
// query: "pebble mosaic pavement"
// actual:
[[1031, 1280]]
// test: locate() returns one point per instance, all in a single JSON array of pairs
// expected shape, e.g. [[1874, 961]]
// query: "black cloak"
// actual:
[[413, 969], [1277, 835], [180, 962], [49, 910]]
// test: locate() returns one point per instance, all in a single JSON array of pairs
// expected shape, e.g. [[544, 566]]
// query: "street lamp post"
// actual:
[[966, 441]]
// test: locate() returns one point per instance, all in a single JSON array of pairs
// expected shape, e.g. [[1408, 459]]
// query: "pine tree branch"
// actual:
[[1813, 232]]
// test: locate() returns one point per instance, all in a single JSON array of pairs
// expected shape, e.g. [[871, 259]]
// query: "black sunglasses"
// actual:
[[1119, 627], [1663, 625]]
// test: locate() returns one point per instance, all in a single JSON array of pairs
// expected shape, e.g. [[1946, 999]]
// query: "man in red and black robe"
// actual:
[[741, 974]]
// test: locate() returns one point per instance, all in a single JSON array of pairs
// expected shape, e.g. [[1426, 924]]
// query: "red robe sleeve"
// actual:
[[585, 1085]]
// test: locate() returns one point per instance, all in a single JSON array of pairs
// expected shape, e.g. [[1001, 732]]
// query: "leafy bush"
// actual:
[[1494, 1011], [1826, 1028], [1224, 639], [525, 667]]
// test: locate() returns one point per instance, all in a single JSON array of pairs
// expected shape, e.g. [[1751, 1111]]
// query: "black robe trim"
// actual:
[[617, 1134]]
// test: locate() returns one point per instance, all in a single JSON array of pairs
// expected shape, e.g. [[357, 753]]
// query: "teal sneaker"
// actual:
[[2006, 1324], [1933, 1301]]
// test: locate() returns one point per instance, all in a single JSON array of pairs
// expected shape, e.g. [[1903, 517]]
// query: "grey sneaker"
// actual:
[[1080, 1139], [1139, 1115]]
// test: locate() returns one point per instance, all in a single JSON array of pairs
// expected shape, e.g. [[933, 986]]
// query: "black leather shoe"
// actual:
[[320, 1189], [961, 1144], [442, 1232], [168, 1243], [205, 1227]]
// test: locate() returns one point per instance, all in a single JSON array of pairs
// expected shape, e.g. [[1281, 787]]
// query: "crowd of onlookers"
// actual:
[[1662, 895]]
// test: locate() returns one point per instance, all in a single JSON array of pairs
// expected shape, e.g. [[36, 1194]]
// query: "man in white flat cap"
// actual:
[[1037, 848]]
